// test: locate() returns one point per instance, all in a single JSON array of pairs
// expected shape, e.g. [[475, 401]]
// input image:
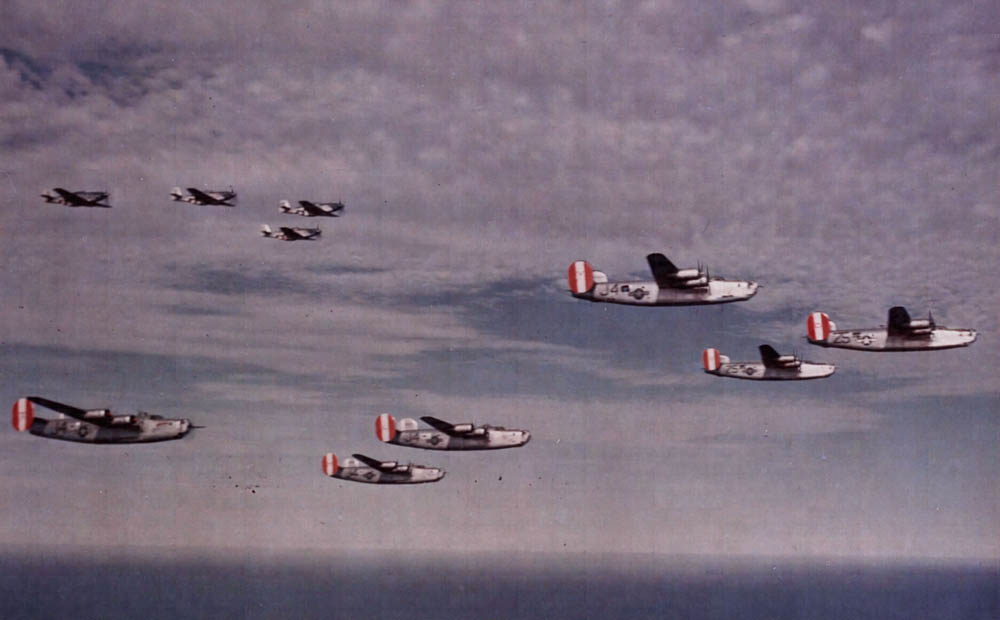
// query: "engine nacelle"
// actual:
[[687, 274], [97, 414], [694, 283], [463, 428], [124, 420], [390, 464], [921, 324], [788, 361]]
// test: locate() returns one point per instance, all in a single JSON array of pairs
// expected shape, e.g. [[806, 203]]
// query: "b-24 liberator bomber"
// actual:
[[308, 208], [285, 233], [671, 286], [95, 425], [60, 196], [772, 367], [901, 334], [446, 436], [206, 197], [362, 468]]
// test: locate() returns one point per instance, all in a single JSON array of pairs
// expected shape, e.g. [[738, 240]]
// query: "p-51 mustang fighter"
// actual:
[[196, 196], [902, 334], [772, 366], [366, 469], [312, 209], [60, 196], [446, 436], [672, 286], [95, 425], [291, 234]]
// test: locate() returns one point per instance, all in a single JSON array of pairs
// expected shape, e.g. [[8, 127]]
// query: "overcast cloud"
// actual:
[[845, 156]]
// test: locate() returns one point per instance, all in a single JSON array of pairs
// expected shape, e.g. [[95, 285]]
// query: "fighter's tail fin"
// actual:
[[176, 193], [284, 206], [265, 231]]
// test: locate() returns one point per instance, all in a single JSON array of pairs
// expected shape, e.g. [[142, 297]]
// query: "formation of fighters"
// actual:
[[212, 197]]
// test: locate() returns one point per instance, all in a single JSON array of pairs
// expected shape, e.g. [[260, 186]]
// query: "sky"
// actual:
[[843, 154]]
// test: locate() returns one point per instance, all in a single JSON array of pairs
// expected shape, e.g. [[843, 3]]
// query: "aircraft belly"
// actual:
[[717, 292], [881, 340]]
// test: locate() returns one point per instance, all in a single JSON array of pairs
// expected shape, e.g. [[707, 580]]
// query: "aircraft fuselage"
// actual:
[[489, 439], [144, 431], [879, 339], [759, 372], [648, 293]]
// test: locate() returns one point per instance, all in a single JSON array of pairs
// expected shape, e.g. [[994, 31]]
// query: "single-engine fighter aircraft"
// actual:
[[312, 209], [902, 334], [60, 196], [291, 234], [672, 286], [773, 367], [196, 196], [366, 469], [446, 436], [95, 425]]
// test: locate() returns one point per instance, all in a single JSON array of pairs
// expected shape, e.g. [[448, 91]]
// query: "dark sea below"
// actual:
[[581, 585]]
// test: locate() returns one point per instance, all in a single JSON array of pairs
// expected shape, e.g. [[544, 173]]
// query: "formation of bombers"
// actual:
[[670, 286], [694, 286]]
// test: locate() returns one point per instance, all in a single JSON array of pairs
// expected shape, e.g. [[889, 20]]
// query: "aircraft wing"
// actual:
[[311, 208], [202, 196], [441, 425], [768, 355], [663, 270], [899, 320], [291, 233], [68, 195], [73, 412], [373, 463]]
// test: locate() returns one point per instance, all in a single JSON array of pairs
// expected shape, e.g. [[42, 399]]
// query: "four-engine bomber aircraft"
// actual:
[[366, 469], [446, 436], [60, 196], [95, 425], [672, 286], [196, 196], [291, 234], [772, 366], [902, 334], [312, 209]]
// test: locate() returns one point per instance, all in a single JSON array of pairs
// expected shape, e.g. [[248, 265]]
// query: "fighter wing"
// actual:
[[201, 196], [290, 233], [375, 464], [663, 270], [768, 355], [70, 197]]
